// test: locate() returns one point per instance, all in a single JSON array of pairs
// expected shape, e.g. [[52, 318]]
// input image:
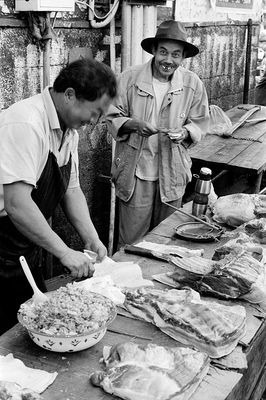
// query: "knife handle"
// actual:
[[139, 251]]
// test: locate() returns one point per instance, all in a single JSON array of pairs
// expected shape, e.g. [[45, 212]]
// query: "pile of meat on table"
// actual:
[[151, 372], [204, 327], [237, 269]]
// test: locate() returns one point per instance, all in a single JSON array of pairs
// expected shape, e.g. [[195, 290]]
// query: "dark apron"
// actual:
[[14, 287]]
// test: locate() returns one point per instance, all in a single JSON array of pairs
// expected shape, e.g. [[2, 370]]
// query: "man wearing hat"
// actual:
[[161, 110]]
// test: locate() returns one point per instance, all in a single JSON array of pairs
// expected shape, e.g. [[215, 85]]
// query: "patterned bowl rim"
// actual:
[[112, 316]]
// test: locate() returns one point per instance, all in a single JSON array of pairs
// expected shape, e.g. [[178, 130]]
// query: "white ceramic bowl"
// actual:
[[71, 343]]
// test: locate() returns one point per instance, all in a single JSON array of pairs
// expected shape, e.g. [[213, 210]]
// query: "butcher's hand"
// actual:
[[78, 264], [98, 247], [143, 128]]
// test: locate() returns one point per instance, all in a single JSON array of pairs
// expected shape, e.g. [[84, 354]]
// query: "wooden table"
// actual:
[[74, 369], [244, 152]]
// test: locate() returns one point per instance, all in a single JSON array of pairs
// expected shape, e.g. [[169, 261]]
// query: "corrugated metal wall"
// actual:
[[221, 62]]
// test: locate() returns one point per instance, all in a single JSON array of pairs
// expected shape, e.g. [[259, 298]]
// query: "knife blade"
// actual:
[[140, 251]]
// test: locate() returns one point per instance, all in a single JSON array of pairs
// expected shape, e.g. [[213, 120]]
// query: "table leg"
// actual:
[[257, 183]]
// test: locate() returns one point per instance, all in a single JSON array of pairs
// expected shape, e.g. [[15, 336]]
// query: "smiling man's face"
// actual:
[[168, 56], [78, 113]]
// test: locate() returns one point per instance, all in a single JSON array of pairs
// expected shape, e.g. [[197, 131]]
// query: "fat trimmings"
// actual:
[[69, 311]]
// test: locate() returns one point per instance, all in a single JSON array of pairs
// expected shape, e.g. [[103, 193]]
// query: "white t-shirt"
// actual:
[[148, 164], [28, 130]]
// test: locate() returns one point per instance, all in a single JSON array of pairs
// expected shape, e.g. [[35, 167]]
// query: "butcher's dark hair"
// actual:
[[89, 78]]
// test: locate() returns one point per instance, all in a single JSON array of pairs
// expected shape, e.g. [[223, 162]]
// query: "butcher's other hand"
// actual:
[[98, 247], [78, 264], [143, 128]]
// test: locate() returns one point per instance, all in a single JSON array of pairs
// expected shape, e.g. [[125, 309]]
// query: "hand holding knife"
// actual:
[[92, 256]]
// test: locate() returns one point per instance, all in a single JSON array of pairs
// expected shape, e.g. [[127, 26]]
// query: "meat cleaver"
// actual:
[[139, 251]]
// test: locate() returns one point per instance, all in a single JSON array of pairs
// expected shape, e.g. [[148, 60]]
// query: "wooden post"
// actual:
[[248, 62], [113, 199], [48, 257], [46, 64]]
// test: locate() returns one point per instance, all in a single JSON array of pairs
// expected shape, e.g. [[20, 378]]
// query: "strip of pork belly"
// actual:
[[209, 323]]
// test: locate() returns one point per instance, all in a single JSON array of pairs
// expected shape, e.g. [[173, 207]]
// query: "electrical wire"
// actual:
[[97, 16], [54, 19]]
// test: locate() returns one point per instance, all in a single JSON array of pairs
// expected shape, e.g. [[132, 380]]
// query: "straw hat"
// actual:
[[172, 30]]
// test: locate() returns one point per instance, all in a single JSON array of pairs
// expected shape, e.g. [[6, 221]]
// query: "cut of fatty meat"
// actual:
[[236, 276], [208, 326], [151, 372], [240, 243], [238, 208], [254, 229]]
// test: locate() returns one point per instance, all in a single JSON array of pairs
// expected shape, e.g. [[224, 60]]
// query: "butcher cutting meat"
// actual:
[[39, 171]]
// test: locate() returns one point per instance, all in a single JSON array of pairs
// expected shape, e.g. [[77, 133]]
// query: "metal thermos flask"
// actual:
[[202, 191]]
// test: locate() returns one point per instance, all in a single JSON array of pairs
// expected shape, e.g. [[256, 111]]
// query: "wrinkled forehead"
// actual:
[[171, 45]]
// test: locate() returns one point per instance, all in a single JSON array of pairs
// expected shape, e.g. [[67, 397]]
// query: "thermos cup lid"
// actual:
[[205, 173]]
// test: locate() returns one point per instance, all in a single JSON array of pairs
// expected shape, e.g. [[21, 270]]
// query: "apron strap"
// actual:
[[52, 186]]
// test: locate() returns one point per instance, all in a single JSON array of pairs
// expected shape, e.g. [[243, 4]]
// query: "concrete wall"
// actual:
[[220, 64], [207, 11]]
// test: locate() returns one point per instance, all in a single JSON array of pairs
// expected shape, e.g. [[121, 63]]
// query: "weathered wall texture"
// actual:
[[21, 59], [206, 10], [224, 49], [21, 76], [220, 64]]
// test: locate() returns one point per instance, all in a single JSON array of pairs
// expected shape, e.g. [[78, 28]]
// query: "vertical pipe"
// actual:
[[125, 36], [149, 26], [136, 34], [48, 258], [112, 44], [248, 62], [112, 200], [46, 57], [46, 64], [174, 10]]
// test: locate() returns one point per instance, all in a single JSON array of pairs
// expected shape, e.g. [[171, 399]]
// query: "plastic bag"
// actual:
[[219, 123]]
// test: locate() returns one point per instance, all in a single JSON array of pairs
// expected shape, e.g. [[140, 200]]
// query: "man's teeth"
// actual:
[[166, 68]]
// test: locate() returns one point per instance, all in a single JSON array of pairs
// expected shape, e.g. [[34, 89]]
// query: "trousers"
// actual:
[[142, 213]]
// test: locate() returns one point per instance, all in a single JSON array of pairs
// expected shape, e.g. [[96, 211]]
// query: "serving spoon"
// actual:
[[38, 296]]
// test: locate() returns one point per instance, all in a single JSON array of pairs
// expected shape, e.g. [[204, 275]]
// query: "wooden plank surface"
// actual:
[[253, 379], [74, 369], [244, 156]]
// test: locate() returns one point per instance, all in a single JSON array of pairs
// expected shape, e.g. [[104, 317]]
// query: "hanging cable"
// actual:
[[54, 19], [101, 24], [106, 19]]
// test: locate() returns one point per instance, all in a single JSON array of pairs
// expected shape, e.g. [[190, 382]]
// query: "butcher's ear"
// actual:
[[70, 94]]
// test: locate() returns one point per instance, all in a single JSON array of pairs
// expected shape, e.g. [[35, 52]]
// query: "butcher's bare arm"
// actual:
[[28, 219]]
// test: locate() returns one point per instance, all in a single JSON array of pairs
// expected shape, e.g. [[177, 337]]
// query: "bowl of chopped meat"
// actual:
[[72, 319]]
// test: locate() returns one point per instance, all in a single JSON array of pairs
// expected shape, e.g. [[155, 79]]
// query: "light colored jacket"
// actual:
[[185, 105]]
